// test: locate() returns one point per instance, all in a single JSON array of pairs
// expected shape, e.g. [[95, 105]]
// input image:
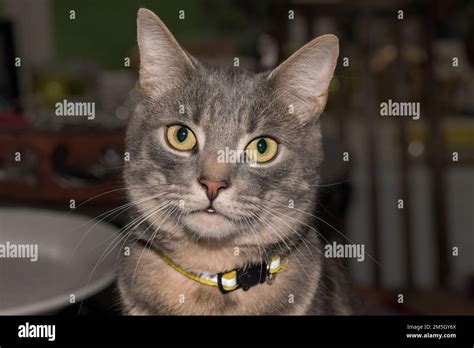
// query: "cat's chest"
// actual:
[[166, 291]]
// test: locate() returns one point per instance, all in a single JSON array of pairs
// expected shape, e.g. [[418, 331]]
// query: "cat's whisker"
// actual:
[[304, 184], [297, 260], [256, 238], [181, 213], [294, 246], [273, 229], [301, 237], [124, 206], [173, 209], [265, 222], [164, 209], [131, 227], [123, 231], [261, 206], [102, 256], [117, 210], [325, 222], [275, 213], [284, 222], [299, 221], [122, 188], [300, 252], [151, 224]]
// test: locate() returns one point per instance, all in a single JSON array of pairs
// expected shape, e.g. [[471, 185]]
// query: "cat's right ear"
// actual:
[[303, 79], [163, 63]]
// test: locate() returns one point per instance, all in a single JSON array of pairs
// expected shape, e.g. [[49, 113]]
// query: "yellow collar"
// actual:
[[242, 278]]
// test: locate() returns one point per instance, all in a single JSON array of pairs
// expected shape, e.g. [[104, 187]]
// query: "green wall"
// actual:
[[104, 31]]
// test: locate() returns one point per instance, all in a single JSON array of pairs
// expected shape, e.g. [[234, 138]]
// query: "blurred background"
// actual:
[[410, 51]]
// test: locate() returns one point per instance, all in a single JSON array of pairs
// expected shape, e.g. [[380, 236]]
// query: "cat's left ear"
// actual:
[[163, 63], [303, 79]]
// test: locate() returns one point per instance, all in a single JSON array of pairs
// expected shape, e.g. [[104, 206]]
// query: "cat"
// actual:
[[197, 217]]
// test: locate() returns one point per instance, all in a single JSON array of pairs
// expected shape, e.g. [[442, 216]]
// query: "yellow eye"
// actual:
[[180, 137], [262, 149]]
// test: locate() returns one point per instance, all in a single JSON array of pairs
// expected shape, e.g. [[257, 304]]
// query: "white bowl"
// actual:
[[69, 247]]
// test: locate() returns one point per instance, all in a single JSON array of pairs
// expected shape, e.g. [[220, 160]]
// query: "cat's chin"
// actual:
[[209, 225]]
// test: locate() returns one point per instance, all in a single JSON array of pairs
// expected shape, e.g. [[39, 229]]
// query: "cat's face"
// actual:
[[190, 132]]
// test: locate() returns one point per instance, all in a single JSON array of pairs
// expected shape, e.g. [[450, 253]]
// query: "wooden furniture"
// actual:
[[45, 183]]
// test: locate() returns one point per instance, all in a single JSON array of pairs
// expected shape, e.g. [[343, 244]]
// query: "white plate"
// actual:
[[65, 264]]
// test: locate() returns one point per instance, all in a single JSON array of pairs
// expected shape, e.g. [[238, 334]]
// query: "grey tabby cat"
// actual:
[[220, 238]]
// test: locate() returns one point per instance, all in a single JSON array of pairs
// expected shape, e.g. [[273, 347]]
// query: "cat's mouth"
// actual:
[[209, 222], [209, 211]]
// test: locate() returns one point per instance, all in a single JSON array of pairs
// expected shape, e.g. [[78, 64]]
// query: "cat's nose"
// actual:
[[213, 187]]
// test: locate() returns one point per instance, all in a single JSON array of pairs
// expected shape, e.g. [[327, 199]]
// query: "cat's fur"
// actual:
[[227, 107]]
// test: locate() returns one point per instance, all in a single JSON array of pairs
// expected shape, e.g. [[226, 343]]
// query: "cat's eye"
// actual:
[[262, 149], [180, 137]]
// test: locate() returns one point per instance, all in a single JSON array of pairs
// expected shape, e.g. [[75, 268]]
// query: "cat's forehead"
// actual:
[[228, 99]]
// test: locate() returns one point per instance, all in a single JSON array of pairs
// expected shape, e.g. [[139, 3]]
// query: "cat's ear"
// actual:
[[163, 63], [303, 79]]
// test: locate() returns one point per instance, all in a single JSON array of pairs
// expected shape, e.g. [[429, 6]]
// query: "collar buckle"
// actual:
[[246, 278], [252, 275]]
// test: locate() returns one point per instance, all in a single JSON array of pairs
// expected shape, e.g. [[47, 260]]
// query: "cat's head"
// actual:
[[194, 122]]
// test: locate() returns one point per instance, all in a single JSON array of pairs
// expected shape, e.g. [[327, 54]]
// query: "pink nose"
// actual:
[[213, 187]]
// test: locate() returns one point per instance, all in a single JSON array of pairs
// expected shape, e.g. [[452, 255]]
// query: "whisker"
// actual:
[[256, 238], [124, 188], [327, 223], [102, 257], [272, 228], [148, 241], [164, 208], [276, 216], [132, 227], [116, 211]]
